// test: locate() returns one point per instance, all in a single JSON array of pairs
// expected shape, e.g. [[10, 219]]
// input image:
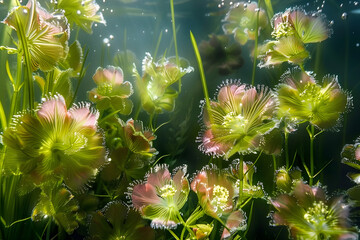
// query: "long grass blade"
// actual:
[[202, 75]]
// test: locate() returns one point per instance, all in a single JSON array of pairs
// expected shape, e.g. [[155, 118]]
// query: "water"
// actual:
[[140, 26]]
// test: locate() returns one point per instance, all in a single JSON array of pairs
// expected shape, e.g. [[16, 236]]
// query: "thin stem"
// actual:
[[173, 234], [250, 218], [256, 45], [286, 133], [29, 87], [185, 225], [174, 37], [312, 137], [158, 44], [241, 178], [17, 221], [274, 161], [202, 76]]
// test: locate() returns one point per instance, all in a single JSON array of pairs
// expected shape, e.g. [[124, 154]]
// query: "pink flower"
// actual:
[[161, 197]]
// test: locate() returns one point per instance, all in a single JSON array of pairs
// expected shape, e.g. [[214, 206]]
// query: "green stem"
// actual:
[[48, 230], [286, 133], [29, 86], [202, 76], [312, 137], [173, 234], [158, 44], [241, 178], [174, 37], [256, 45], [274, 161], [269, 9], [185, 226]]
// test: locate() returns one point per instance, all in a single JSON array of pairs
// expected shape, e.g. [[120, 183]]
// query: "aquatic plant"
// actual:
[[241, 20], [57, 203], [160, 197], [238, 120], [309, 214], [55, 144], [285, 179], [220, 54], [131, 149], [81, 12], [117, 221], [293, 29], [111, 91], [215, 192], [154, 86], [248, 189], [351, 156], [302, 99], [41, 34]]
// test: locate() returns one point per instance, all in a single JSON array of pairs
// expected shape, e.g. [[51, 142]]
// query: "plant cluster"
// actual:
[[93, 167]]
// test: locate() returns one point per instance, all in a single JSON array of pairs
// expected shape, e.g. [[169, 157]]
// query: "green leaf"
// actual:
[[310, 29]]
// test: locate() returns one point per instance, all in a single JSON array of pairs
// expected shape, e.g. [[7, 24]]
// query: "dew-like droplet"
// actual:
[[78, 12]]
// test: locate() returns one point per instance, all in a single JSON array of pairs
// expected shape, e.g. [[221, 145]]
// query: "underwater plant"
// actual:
[[58, 203], [238, 121], [111, 91], [117, 221], [55, 144], [249, 190], [309, 214], [293, 29], [80, 12], [43, 35], [241, 20], [220, 54], [302, 99], [154, 86], [351, 156], [160, 197], [131, 150]]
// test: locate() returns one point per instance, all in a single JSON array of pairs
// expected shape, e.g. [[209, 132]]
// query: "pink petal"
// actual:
[[110, 74], [209, 146], [84, 116], [159, 177], [234, 221], [52, 109], [143, 195], [357, 153]]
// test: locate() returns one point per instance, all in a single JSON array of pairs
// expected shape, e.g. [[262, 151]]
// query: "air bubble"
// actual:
[[111, 36], [344, 16], [78, 12], [106, 41], [357, 44], [341, 5]]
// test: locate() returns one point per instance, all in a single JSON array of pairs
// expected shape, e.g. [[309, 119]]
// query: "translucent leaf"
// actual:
[[310, 28]]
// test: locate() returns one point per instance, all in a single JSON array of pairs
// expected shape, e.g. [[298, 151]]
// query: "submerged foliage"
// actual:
[[40, 33], [309, 214], [293, 29], [238, 120], [112, 92], [161, 197], [131, 150], [302, 99], [154, 86], [116, 221], [241, 20], [221, 55], [81, 12], [53, 143]]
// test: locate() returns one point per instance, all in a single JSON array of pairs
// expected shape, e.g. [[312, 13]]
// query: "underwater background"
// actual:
[[135, 27]]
